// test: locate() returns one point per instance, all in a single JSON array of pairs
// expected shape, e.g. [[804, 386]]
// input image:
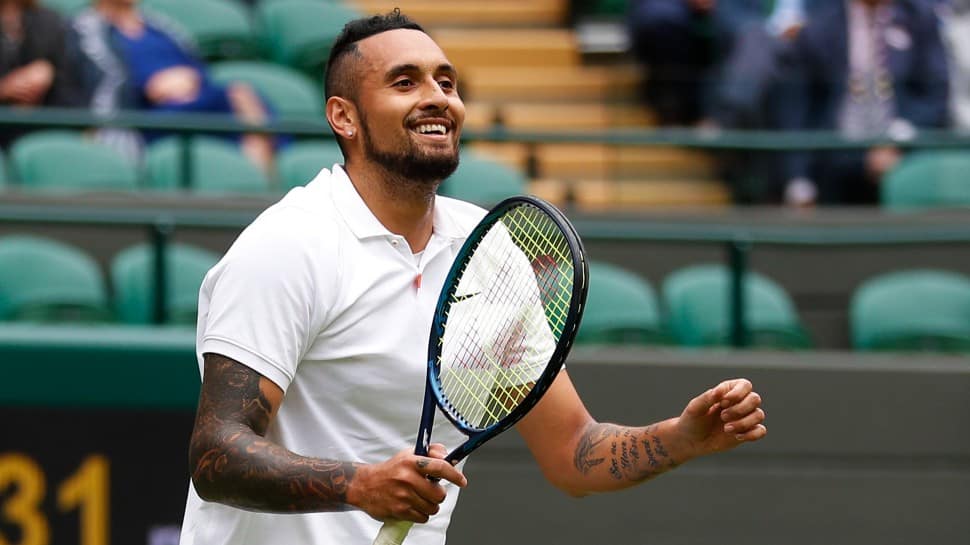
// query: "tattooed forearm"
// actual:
[[584, 458], [232, 463], [631, 454]]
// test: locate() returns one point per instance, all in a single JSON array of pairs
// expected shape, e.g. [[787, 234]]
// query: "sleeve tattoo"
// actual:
[[232, 463], [633, 454]]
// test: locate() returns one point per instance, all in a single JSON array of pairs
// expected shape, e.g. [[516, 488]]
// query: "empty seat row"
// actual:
[[912, 310], [45, 280], [692, 309]]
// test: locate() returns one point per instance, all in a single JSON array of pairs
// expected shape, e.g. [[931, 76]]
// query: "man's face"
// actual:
[[410, 111]]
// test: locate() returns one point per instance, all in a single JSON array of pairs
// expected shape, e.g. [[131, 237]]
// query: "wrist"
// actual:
[[680, 442], [355, 492]]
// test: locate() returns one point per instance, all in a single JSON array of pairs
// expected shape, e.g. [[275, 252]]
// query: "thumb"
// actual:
[[704, 404]]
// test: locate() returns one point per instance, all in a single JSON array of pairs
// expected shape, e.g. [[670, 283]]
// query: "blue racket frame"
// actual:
[[433, 394]]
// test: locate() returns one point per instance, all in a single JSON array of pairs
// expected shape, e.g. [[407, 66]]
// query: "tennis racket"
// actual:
[[504, 323]]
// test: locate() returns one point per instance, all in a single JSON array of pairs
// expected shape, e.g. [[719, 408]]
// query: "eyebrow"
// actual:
[[412, 68]]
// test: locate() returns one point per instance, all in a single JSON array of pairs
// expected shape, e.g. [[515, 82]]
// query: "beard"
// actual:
[[410, 165]]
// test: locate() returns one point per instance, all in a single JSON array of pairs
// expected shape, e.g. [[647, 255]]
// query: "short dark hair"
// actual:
[[339, 81]]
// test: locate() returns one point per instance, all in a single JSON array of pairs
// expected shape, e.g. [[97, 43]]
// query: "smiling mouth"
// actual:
[[432, 129]]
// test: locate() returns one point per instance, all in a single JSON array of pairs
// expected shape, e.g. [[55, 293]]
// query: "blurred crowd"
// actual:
[[113, 56], [869, 69], [865, 68]]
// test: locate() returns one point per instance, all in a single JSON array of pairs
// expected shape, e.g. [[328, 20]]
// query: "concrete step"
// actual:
[[437, 13], [545, 83], [469, 48]]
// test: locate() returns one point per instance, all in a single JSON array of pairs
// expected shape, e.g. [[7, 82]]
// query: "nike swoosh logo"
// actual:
[[460, 298]]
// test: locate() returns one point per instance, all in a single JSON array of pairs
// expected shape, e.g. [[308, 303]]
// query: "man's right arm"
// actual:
[[233, 463]]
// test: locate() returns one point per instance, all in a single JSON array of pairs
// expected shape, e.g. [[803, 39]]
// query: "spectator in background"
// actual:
[[746, 95], [956, 30], [128, 59], [751, 72], [681, 43], [32, 59], [869, 69]]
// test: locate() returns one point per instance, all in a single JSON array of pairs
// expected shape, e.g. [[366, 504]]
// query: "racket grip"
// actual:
[[393, 533]]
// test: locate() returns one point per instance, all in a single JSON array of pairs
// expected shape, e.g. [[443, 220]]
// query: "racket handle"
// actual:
[[393, 533]]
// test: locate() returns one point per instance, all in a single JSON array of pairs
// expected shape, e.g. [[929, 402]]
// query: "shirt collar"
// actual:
[[364, 224]]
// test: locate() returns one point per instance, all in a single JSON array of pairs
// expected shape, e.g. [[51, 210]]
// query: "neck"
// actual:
[[404, 207]]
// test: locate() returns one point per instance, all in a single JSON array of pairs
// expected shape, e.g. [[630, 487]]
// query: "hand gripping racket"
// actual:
[[505, 321]]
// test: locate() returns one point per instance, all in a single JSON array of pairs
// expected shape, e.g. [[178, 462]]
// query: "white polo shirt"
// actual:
[[319, 297]]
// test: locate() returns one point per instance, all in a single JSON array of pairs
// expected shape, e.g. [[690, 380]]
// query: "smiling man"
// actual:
[[313, 331]]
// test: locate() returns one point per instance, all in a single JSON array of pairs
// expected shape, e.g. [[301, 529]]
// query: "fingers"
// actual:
[[740, 410], [406, 486], [438, 469], [732, 391], [437, 450]]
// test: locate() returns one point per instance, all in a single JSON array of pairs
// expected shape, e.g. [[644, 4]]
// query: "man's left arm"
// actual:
[[580, 456]]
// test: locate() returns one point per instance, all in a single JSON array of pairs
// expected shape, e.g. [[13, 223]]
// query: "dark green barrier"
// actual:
[[98, 366]]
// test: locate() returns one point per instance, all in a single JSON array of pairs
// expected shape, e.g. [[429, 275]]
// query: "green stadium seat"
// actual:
[[222, 29], [621, 308], [913, 310], [300, 162], [928, 179], [696, 300], [218, 166], [64, 161], [67, 8], [289, 92], [133, 282], [299, 33], [483, 180], [43, 280]]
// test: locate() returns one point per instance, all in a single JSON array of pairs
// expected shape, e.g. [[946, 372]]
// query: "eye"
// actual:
[[446, 84], [404, 83]]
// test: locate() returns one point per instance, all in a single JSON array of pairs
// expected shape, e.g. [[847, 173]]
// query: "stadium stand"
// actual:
[[928, 179], [912, 310], [300, 161], [483, 180], [532, 74], [44, 280], [288, 91], [299, 33], [63, 161], [133, 283], [222, 29], [67, 8], [621, 308], [216, 166], [695, 300]]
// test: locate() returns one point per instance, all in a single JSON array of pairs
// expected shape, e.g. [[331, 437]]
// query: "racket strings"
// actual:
[[505, 317], [534, 233], [490, 335]]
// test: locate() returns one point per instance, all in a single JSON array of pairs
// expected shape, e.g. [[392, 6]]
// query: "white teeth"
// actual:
[[428, 129]]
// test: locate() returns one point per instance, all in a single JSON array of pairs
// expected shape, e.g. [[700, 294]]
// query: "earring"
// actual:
[[350, 132]]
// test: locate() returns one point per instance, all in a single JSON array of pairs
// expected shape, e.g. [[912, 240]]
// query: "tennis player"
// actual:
[[313, 332]]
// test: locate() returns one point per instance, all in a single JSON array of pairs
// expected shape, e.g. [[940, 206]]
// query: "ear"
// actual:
[[342, 116]]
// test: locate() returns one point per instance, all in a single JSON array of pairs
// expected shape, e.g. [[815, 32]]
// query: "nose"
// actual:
[[434, 97]]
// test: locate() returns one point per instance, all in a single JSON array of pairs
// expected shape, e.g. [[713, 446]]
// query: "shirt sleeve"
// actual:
[[262, 303]]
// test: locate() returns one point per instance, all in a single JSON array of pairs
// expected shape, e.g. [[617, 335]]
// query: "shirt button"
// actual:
[[394, 242]]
